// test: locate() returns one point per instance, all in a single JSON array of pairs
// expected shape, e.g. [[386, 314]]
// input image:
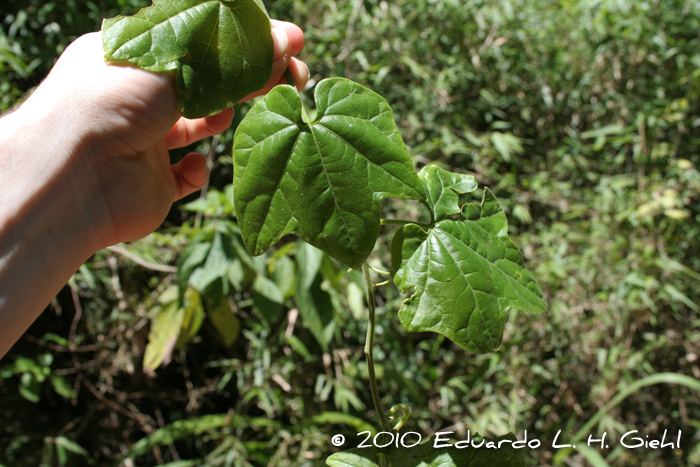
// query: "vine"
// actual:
[[323, 180]]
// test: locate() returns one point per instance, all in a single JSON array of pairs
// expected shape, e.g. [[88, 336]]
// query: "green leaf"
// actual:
[[60, 340], [30, 388], [284, 275], [187, 463], [262, 7], [194, 316], [467, 274], [268, 300], [27, 365], [61, 455], [353, 458], [216, 267], [356, 300], [322, 180], [236, 274], [443, 189], [182, 429], [298, 346], [225, 321], [339, 418], [222, 50], [71, 446], [165, 329], [61, 386], [314, 304], [426, 455], [44, 359], [189, 261]]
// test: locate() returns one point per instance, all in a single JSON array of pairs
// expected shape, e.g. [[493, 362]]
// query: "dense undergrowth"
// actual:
[[581, 116]]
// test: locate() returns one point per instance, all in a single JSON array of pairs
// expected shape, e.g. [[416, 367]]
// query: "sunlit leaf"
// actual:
[[284, 275], [221, 49], [216, 266], [322, 180], [443, 189], [356, 300], [190, 260], [194, 316], [165, 329], [225, 321], [465, 276]]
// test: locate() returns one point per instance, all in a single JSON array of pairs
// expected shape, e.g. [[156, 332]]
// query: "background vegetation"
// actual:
[[581, 115]]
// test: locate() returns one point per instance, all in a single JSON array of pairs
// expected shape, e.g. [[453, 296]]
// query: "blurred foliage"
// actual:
[[581, 115]]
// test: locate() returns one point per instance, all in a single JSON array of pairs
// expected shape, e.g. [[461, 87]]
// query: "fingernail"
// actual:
[[281, 42]]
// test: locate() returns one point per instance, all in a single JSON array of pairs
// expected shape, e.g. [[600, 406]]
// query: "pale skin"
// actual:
[[84, 165]]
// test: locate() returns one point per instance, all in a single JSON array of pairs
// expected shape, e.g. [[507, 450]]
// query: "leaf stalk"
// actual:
[[369, 346], [403, 222]]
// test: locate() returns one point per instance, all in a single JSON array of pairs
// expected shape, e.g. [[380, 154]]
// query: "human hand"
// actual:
[[121, 122], [84, 164]]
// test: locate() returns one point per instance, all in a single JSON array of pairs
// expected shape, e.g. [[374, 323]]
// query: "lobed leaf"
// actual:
[[222, 50], [322, 180], [443, 188], [467, 274]]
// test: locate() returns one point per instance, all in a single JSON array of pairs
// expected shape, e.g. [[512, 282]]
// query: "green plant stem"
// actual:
[[385, 273], [369, 346], [402, 222], [290, 80]]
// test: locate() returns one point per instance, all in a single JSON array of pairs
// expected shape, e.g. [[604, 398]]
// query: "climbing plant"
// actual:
[[323, 179]]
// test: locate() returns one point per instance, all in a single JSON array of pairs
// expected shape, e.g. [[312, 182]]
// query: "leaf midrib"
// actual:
[[319, 123], [331, 188], [284, 172], [181, 12], [518, 286], [468, 284], [157, 24]]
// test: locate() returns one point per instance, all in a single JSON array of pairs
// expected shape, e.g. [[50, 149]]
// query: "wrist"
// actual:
[[47, 181]]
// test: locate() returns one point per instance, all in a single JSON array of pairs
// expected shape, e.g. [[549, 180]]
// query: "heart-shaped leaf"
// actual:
[[322, 180], [443, 189], [467, 274], [221, 49]]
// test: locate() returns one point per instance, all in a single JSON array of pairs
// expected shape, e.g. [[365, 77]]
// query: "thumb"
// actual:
[[191, 174]]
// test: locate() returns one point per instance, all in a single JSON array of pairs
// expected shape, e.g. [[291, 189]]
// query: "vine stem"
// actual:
[[369, 347]]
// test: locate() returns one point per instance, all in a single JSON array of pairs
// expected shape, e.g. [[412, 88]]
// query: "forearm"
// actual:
[[45, 229]]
